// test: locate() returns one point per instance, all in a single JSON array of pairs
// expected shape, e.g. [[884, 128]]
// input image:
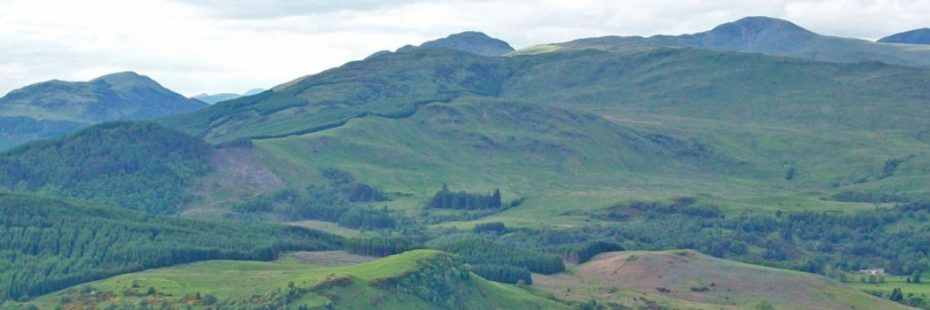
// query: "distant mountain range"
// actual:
[[214, 98], [56, 107], [762, 35], [918, 36]]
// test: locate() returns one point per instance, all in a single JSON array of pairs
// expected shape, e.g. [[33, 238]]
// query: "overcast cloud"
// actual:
[[215, 46]]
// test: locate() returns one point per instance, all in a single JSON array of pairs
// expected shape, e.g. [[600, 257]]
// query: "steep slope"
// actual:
[[761, 35], [916, 36], [470, 42], [48, 244], [422, 279], [687, 279], [139, 166], [55, 107]]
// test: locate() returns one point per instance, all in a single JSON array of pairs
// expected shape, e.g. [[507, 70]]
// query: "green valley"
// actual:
[[758, 165]]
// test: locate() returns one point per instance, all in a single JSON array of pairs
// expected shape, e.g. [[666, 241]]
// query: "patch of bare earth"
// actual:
[[240, 167], [700, 279], [237, 172]]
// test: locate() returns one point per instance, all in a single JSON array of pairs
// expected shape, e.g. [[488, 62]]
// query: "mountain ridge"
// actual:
[[765, 35]]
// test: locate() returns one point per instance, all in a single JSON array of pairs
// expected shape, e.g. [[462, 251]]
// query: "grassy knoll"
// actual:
[[388, 283]]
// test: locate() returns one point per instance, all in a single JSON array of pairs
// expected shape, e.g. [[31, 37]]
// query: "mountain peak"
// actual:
[[117, 96], [472, 42], [757, 25], [126, 79], [916, 36], [753, 34]]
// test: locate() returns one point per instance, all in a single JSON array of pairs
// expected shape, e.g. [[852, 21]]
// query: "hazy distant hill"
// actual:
[[214, 98], [761, 35], [470, 41], [917, 36], [55, 107]]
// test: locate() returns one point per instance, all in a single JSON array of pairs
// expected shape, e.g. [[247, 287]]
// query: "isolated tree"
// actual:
[[896, 295], [209, 300], [496, 199]]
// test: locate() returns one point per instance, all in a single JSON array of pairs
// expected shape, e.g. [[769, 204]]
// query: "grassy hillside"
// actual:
[[48, 244], [576, 132], [139, 166], [687, 279], [420, 279], [477, 145]]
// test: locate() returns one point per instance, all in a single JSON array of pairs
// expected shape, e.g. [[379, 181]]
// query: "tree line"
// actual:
[[47, 245], [817, 242], [446, 199], [499, 262]]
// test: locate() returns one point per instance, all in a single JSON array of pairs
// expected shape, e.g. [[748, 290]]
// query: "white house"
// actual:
[[875, 272]]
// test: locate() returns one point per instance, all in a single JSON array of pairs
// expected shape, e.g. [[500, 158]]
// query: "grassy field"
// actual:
[[345, 287], [889, 283], [687, 279]]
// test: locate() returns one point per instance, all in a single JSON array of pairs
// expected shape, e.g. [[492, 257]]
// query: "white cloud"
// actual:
[[195, 46]]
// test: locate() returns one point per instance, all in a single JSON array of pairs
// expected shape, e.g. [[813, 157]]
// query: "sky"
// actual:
[[213, 46]]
